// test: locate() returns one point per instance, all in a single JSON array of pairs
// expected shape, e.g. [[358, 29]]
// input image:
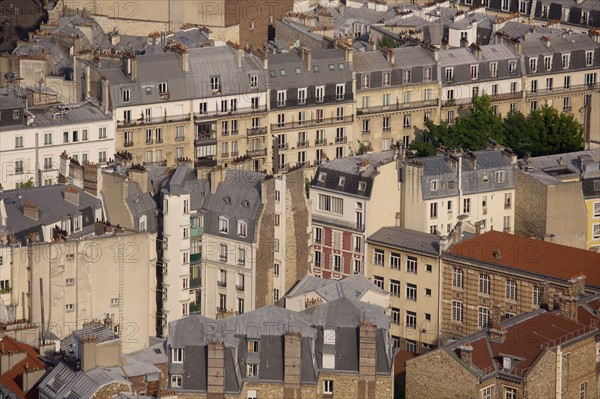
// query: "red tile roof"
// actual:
[[531, 255], [12, 379], [526, 339], [400, 362]]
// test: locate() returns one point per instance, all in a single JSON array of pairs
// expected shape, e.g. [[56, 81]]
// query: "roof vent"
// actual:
[[497, 254], [227, 200], [246, 204]]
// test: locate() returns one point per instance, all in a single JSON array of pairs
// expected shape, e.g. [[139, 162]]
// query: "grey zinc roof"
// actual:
[[51, 204], [409, 57], [344, 312], [353, 287], [549, 171], [132, 367], [9, 100], [141, 204], [308, 284], [498, 52], [154, 354], [63, 382], [371, 61], [101, 333], [74, 114], [457, 56], [412, 240], [351, 164], [519, 30]]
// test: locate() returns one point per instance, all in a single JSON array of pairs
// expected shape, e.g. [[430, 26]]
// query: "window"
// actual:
[[457, 311], [549, 82], [222, 302], [466, 205], [223, 225], [411, 319], [281, 97], [176, 381], [318, 235], [484, 284], [512, 67], [548, 63], [48, 163], [19, 166], [126, 93], [276, 269], [567, 82], [215, 84], [366, 126], [252, 370], [429, 268], [386, 79], [566, 103], [241, 258], [411, 292], [378, 258], [395, 287], [340, 91], [538, 295], [483, 317], [70, 281], [19, 142], [318, 256], [596, 211], [406, 76], [486, 393], [566, 61], [589, 58], [358, 245], [533, 105], [511, 290], [365, 81], [177, 355], [255, 102], [320, 94], [186, 232], [510, 393], [427, 291], [102, 157], [449, 72], [301, 96], [457, 278], [328, 387], [378, 281], [433, 210], [275, 294], [395, 261], [336, 241], [474, 72], [337, 263], [253, 80], [240, 307], [582, 390], [386, 124], [242, 229], [331, 204], [427, 73], [406, 122], [596, 231], [69, 307], [411, 264], [395, 315], [590, 79]]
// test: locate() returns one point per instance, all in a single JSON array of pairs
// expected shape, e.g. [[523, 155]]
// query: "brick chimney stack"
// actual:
[[466, 354], [72, 195], [568, 306], [216, 370], [497, 333], [292, 365], [368, 360], [30, 209]]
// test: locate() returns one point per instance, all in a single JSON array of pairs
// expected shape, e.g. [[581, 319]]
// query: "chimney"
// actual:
[[71, 195], [216, 370], [364, 164], [568, 306], [239, 56], [309, 60], [497, 333], [390, 56], [185, 60], [577, 286], [105, 96], [518, 48], [266, 62], [87, 353], [292, 364], [30, 209], [367, 350], [140, 176], [217, 175], [546, 40], [466, 354]]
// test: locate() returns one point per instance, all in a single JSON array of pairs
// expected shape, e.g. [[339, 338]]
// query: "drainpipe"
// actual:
[[559, 360]]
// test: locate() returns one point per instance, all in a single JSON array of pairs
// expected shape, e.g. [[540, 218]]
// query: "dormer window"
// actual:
[[566, 61], [242, 229], [253, 345], [142, 223], [329, 341], [253, 81], [512, 67], [177, 355], [362, 186], [126, 95], [215, 83], [507, 363], [163, 88], [365, 81], [322, 177], [433, 184], [342, 181], [223, 225]]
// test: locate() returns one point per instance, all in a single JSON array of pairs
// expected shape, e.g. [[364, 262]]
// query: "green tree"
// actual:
[[361, 148], [421, 149], [387, 41], [518, 136], [26, 184]]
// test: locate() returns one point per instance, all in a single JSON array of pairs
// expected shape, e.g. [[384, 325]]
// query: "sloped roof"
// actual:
[[344, 312], [412, 240], [529, 255], [12, 379]]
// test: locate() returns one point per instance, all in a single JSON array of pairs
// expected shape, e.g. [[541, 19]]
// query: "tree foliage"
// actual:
[[26, 184], [387, 41], [542, 132]]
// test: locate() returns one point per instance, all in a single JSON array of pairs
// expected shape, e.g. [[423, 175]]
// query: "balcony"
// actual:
[[234, 154], [397, 107], [222, 283], [196, 232], [311, 123], [338, 223], [561, 90], [317, 100], [303, 144], [179, 138], [507, 205], [205, 163], [255, 131], [128, 144], [506, 96], [195, 283], [283, 146], [149, 141], [257, 152], [159, 140], [195, 258], [239, 111], [224, 155], [341, 140], [153, 121], [320, 142], [205, 138], [239, 287]]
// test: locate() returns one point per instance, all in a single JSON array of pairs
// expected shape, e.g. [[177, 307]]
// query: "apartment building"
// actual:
[[562, 71], [181, 195], [407, 264], [478, 187], [75, 281], [512, 275], [230, 105], [558, 199], [396, 92], [32, 139], [312, 106], [539, 354], [338, 348], [351, 198], [493, 70]]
